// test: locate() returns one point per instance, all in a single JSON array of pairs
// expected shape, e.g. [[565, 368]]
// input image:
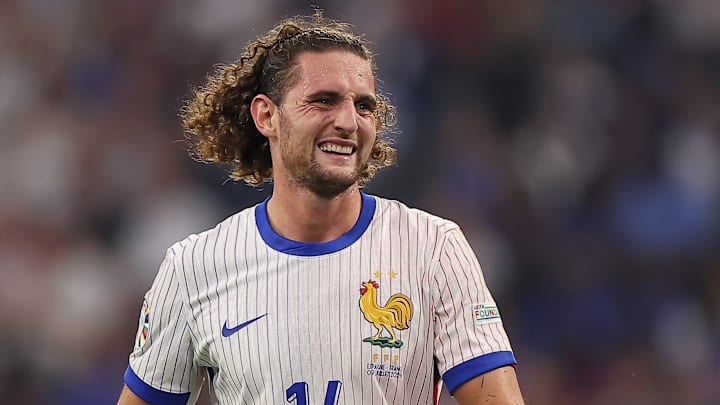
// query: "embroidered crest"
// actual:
[[395, 314], [143, 326]]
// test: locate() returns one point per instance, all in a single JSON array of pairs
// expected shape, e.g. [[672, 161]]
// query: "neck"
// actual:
[[306, 217]]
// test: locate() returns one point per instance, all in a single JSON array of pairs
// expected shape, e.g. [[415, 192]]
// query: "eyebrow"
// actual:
[[333, 95]]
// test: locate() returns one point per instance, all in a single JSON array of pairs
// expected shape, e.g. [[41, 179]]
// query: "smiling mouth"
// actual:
[[337, 149]]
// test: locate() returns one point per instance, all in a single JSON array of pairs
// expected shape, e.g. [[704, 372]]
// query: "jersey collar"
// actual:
[[295, 248]]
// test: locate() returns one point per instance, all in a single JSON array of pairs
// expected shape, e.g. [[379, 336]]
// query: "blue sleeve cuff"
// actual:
[[474, 367], [150, 394]]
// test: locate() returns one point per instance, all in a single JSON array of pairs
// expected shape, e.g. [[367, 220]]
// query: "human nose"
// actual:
[[346, 117]]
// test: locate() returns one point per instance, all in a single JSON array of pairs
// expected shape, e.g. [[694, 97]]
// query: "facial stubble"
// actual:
[[305, 172]]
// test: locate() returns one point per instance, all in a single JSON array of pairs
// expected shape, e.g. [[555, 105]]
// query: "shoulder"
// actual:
[[415, 218], [230, 230]]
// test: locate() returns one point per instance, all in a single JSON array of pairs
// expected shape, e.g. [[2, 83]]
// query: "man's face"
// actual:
[[326, 123]]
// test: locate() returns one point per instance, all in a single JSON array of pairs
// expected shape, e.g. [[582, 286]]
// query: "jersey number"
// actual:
[[299, 391]]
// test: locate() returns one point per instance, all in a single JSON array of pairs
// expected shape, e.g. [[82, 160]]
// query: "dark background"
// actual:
[[576, 142]]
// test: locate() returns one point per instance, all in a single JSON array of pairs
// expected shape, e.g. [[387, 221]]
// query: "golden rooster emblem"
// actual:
[[396, 314]]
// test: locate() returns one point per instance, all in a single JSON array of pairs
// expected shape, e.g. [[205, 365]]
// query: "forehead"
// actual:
[[340, 71]]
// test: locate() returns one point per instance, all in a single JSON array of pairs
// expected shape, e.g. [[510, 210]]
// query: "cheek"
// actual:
[[369, 143], [367, 131]]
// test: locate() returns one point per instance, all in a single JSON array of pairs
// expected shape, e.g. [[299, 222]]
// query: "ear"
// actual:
[[263, 110]]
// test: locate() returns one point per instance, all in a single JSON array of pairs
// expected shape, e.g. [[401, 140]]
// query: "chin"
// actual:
[[329, 190], [330, 185], [325, 181]]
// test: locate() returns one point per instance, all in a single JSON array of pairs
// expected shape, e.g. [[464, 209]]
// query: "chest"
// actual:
[[278, 321]]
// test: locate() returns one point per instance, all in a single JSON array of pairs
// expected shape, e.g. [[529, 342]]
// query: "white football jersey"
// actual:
[[374, 317]]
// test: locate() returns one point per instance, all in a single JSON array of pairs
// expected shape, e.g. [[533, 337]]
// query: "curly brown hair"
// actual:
[[216, 118]]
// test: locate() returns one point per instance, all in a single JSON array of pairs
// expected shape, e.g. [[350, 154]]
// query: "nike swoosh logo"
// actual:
[[227, 332]]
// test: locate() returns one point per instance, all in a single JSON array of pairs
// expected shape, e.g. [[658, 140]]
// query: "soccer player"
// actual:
[[322, 294]]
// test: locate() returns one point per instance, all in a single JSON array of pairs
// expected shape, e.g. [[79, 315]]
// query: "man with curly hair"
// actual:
[[266, 304]]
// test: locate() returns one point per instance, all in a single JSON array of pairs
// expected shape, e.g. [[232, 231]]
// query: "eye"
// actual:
[[364, 108], [324, 101]]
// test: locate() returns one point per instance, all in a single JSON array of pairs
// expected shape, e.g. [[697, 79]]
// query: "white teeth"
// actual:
[[331, 147]]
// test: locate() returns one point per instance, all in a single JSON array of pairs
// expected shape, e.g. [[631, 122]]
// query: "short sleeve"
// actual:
[[469, 335], [161, 368]]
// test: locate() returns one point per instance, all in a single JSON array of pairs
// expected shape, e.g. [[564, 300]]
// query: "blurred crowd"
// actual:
[[577, 143]]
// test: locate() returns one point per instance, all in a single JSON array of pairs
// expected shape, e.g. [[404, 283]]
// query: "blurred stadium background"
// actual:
[[577, 142]]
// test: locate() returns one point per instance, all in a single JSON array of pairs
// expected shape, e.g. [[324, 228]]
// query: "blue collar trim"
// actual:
[[294, 248]]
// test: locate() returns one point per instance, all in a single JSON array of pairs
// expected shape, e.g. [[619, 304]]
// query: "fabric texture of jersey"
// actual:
[[369, 318]]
